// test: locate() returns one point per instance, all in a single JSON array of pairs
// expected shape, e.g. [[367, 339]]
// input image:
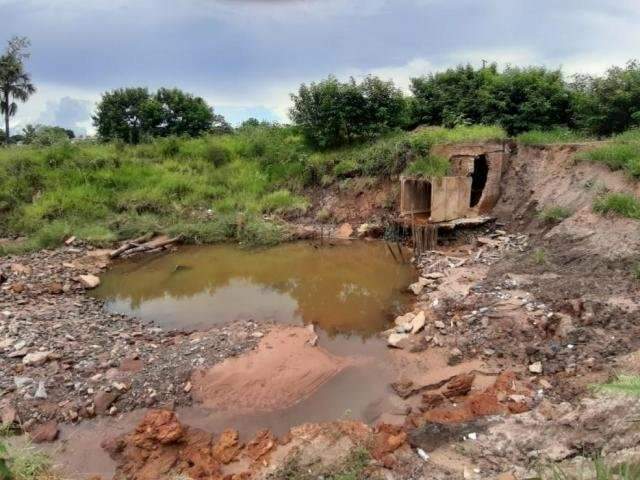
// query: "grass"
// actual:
[[210, 189], [429, 166], [624, 384], [354, 467], [539, 256], [25, 463], [598, 470], [622, 153], [553, 214], [553, 136], [623, 204], [635, 270]]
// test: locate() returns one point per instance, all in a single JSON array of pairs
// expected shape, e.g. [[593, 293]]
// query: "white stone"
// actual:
[[89, 281], [418, 322], [395, 339], [535, 367]]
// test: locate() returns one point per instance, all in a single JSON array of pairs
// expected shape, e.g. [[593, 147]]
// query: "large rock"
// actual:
[[344, 231], [89, 281], [103, 400]]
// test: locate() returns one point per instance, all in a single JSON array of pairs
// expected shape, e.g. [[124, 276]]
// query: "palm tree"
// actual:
[[15, 83]]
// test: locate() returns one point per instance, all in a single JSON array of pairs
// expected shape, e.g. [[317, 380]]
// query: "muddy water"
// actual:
[[348, 291], [343, 289]]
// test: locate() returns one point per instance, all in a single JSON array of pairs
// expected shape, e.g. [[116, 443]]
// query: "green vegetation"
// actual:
[[624, 384], [635, 270], [208, 189], [622, 153], [429, 166], [555, 135], [331, 113], [553, 214], [133, 114], [623, 204], [24, 463], [539, 256], [597, 470], [354, 467]]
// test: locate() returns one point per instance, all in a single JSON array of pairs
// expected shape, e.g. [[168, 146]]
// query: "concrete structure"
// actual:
[[471, 190]]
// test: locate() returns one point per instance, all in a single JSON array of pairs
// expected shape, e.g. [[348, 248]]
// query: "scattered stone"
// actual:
[[8, 415], [536, 367], [89, 281], [45, 432], [395, 339], [439, 324], [103, 401], [36, 358], [41, 392], [20, 269], [455, 357]]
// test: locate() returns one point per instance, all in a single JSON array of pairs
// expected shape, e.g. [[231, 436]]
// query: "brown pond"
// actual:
[[349, 291]]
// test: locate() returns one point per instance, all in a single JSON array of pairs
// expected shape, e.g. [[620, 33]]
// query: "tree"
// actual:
[[44, 135], [608, 104], [15, 83], [130, 114], [331, 113], [451, 97], [522, 99]]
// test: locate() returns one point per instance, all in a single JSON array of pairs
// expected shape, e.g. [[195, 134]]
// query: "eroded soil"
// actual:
[[489, 372]]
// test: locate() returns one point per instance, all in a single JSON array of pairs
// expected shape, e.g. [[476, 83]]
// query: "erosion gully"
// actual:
[[349, 292]]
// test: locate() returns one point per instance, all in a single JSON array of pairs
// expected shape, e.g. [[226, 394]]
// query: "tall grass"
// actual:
[[212, 187], [623, 204], [549, 137], [622, 153]]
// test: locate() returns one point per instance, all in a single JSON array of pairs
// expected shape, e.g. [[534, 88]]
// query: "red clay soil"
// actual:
[[283, 370], [506, 395]]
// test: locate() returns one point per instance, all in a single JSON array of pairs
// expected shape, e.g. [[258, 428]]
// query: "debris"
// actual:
[[536, 367], [418, 322], [422, 454], [395, 339], [36, 358]]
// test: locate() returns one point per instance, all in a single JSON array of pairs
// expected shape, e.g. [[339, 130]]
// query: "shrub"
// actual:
[[552, 214], [217, 154], [623, 204]]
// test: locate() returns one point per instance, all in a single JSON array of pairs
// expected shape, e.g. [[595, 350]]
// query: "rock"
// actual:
[[418, 322], [227, 448], [404, 319], [18, 288], [55, 288], [21, 382], [103, 401], [20, 269], [395, 339], [416, 288], [257, 334], [536, 367], [46, 432], [41, 392], [439, 324], [8, 415], [434, 275], [70, 240], [459, 385], [344, 231], [89, 281], [36, 359], [455, 357]]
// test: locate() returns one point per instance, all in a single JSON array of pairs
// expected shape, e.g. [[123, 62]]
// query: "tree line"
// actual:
[[333, 113]]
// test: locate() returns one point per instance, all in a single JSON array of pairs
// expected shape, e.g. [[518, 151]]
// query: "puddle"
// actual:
[[350, 292], [348, 288]]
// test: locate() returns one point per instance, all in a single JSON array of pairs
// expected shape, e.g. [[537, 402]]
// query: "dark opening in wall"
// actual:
[[478, 179]]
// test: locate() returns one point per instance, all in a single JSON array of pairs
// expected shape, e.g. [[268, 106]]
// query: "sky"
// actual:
[[245, 57]]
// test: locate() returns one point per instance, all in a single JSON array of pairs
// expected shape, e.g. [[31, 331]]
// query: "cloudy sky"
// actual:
[[246, 56]]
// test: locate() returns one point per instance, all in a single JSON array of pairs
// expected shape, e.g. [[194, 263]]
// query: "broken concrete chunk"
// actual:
[[89, 281]]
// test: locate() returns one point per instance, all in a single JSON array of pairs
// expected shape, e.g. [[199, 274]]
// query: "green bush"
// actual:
[[429, 166], [623, 204]]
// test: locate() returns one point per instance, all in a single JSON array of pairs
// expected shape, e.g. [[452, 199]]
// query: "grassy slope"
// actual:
[[209, 189]]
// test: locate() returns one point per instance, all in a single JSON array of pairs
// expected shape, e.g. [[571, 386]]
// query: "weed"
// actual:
[[626, 384], [25, 463], [539, 256], [596, 470], [623, 204], [635, 270], [622, 153], [553, 214], [354, 467]]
